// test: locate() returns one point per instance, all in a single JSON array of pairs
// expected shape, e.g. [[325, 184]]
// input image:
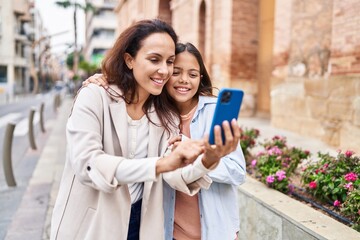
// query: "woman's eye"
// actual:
[[176, 73], [170, 62], [154, 60]]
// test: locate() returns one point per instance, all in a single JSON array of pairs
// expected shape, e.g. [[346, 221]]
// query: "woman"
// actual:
[[112, 177]]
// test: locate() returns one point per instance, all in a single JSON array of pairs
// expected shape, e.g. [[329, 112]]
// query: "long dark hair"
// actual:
[[117, 72]]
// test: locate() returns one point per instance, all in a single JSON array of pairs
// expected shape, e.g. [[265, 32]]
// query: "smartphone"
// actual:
[[227, 108]]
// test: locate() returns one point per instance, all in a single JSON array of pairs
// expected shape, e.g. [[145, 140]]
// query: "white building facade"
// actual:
[[100, 30], [14, 48]]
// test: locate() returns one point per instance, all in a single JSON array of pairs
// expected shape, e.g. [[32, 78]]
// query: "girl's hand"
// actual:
[[213, 153], [98, 79]]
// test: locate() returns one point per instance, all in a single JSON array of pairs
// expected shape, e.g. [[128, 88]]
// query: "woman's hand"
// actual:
[[98, 79], [185, 153], [213, 153]]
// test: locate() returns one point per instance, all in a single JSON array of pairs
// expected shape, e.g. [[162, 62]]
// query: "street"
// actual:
[[19, 113], [24, 159]]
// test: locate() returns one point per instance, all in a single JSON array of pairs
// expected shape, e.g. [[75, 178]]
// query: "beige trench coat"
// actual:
[[91, 203]]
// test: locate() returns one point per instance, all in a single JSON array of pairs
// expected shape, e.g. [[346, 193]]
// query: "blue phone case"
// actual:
[[227, 108]]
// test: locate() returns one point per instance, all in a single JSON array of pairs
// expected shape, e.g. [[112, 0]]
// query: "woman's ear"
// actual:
[[128, 60]]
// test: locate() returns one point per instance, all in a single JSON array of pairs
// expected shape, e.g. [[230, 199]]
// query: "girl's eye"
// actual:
[[170, 62], [176, 73], [193, 75]]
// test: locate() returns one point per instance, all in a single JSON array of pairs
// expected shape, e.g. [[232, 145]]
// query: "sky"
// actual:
[[57, 19]]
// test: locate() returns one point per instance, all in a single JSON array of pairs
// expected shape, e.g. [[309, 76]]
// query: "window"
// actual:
[[3, 74]]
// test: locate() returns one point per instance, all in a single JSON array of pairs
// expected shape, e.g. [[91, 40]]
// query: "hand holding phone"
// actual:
[[227, 108]]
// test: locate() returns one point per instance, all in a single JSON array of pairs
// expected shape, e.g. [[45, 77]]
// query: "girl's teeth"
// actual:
[[182, 89]]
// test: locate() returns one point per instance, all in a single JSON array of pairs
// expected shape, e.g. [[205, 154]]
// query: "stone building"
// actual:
[[297, 61]]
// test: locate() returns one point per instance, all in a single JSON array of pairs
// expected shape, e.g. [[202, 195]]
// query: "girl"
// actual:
[[111, 180], [212, 213]]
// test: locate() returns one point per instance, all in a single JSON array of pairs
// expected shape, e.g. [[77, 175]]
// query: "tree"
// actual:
[[75, 6], [70, 60]]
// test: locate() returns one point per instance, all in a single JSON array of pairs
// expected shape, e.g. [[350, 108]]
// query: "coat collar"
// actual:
[[119, 117]]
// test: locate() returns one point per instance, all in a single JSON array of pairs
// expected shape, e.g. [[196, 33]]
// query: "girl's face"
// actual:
[[153, 64], [184, 83]]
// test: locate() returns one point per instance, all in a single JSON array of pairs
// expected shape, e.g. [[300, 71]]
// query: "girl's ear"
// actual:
[[128, 60]]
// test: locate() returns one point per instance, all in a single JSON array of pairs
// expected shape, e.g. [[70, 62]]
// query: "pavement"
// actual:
[[35, 199]]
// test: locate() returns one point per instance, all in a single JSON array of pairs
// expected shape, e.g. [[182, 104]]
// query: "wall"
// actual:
[[297, 61], [316, 88], [266, 214]]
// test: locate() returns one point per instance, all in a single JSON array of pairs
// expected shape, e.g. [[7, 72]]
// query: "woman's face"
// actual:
[[184, 83], [153, 64]]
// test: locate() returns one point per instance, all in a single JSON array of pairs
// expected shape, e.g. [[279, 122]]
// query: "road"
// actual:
[[24, 159], [18, 113]]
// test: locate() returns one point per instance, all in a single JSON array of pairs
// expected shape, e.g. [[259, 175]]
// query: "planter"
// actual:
[[269, 214]]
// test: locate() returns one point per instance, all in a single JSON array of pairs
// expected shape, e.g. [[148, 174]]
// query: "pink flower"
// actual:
[[337, 203], [312, 185], [270, 179], [274, 151], [351, 177], [349, 153], [260, 153], [280, 175], [253, 163], [359, 212], [348, 185]]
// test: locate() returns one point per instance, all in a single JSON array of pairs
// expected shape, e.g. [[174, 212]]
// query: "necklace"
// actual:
[[189, 114]]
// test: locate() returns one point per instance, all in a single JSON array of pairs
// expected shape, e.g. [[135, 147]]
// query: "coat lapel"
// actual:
[[119, 118], [156, 133]]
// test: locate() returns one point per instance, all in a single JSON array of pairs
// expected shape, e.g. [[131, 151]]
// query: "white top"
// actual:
[[138, 136]]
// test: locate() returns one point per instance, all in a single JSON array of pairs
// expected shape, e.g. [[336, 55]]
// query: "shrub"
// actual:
[[335, 180], [351, 208], [248, 141], [275, 165]]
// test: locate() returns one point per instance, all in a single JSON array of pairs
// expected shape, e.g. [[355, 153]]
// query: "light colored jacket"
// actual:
[[219, 210], [91, 203]]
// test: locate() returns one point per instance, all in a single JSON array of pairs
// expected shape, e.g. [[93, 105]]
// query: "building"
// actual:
[[297, 61], [99, 30], [14, 48]]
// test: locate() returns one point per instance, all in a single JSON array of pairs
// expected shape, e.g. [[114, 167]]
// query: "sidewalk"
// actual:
[[32, 219]]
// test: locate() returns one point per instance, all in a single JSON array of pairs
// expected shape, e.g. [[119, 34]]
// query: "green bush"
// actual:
[[277, 163], [335, 180]]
